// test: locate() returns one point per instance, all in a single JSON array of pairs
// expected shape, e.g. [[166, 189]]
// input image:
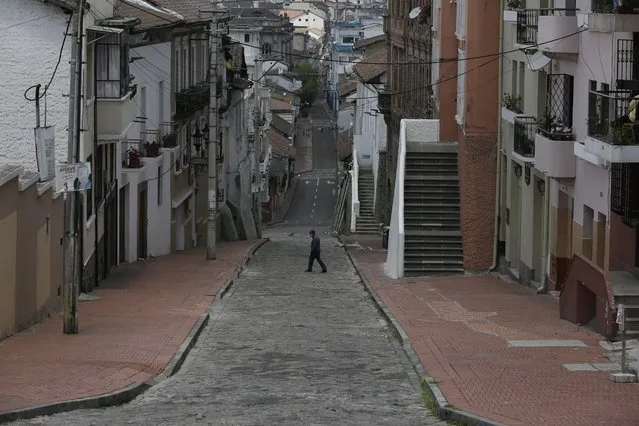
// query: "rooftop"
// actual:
[[372, 66]]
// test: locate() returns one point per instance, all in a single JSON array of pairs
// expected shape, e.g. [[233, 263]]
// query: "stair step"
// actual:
[[416, 178], [420, 272], [444, 234]]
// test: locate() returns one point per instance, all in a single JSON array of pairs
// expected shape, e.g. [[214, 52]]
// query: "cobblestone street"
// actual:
[[283, 347]]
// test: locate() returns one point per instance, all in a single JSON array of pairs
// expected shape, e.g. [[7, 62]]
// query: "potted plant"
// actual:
[[625, 8], [133, 158], [170, 140], [513, 4], [152, 149], [512, 103]]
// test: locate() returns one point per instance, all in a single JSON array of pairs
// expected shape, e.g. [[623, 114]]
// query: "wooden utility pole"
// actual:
[[72, 261], [213, 143]]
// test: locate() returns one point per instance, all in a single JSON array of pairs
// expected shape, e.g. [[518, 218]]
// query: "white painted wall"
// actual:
[[152, 73], [592, 188], [158, 206], [308, 20]]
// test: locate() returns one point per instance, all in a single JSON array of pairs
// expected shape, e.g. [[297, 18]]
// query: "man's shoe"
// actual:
[[308, 270], [324, 271]]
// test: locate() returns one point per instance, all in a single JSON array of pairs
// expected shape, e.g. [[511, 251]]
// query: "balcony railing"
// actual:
[[612, 117], [557, 121], [527, 22], [168, 135], [615, 6], [624, 191], [524, 142], [191, 100]]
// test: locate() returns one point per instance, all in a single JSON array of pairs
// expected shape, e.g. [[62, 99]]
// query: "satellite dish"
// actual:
[[415, 13]]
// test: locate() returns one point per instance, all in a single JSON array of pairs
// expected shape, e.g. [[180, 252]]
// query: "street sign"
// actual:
[[73, 177], [45, 152]]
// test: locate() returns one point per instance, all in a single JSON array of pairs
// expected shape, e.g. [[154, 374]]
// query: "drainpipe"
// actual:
[[545, 240], [495, 263]]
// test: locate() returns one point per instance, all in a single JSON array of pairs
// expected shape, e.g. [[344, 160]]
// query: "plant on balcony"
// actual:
[[170, 140], [553, 128], [512, 103], [513, 4], [133, 158], [624, 133], [626, 7], [152, 149]]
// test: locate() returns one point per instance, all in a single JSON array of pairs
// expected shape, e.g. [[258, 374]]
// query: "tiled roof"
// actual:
[[368, 41], [346, 86], [291, 13], [280, 144], [279, 105], [372, 66], [345, 145], [282, 125]]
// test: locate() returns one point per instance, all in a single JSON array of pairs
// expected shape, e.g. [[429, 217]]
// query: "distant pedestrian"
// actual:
[[315, 253]]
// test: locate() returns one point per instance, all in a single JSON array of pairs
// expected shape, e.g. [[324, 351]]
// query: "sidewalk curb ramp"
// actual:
[[129, 393], [441, 406]]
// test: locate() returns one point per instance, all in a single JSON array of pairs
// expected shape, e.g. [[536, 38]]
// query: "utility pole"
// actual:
[[257, 117], [71, 255], [213, 143]]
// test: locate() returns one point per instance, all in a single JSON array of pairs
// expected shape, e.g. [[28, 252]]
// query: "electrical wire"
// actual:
[[26, 22], [55, 70]]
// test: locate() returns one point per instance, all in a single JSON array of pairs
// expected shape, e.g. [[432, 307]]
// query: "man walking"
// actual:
[[315, 253]]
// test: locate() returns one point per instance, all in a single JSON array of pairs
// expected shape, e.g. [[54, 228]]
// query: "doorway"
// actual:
[[123, 223], [142, 220]]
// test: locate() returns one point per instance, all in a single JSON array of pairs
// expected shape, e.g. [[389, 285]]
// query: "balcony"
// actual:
[[556, 29], [190, 100], [608, 18], [554, 142], [115, 116], [527, 27], [624, 192], [613, 132], [524, 141]]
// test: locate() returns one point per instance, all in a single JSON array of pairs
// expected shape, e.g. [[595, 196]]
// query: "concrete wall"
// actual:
[[31, 253]]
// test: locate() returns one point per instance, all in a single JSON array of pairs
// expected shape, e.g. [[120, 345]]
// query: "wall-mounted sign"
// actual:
[[45, 152], [73, 177]]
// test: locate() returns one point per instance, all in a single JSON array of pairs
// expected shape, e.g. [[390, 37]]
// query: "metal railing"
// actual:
[[191, 100], [524, 141], [557, 121], [611, 119], [613, 6], [527, 21]]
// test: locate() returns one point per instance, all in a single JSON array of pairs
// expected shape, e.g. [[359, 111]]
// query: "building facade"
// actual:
[[569, 154]]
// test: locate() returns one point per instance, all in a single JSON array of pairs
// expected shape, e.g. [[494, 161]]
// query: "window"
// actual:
[[176, 73], [112, 66], [159, 185], [185, 68], [587, 230], [194, 78], [348, 39], [88, 194], [247, 38], [160, 103]]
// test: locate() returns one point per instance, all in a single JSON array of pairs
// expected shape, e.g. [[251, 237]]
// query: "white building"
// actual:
[[570, 149]]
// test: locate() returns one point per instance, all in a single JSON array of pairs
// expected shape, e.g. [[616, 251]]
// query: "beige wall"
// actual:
[[31, 254]]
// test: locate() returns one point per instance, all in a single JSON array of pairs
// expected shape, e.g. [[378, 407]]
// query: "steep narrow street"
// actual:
[[285, 346]]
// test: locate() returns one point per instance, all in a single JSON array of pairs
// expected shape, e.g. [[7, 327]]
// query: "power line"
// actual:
[[26, 22], [46, 88]]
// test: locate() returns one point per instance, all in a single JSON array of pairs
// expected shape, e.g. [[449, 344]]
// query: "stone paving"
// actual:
[[142, 314], [284, 347], [498, 350]]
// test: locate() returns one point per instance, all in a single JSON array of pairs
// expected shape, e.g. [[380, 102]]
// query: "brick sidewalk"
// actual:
[[128, 336], [459, 326]]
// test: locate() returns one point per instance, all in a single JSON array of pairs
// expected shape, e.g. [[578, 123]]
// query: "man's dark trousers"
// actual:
[[315, 255]]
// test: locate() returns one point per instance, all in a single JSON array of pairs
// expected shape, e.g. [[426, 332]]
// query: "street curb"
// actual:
[[442, 408], [129, 393]]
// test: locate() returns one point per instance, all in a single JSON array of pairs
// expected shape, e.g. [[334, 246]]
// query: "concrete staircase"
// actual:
[[366, 223], [432, 241], [625, 288]]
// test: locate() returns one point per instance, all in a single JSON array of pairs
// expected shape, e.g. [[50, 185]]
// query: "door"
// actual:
[[122, 227], [142, 221]]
